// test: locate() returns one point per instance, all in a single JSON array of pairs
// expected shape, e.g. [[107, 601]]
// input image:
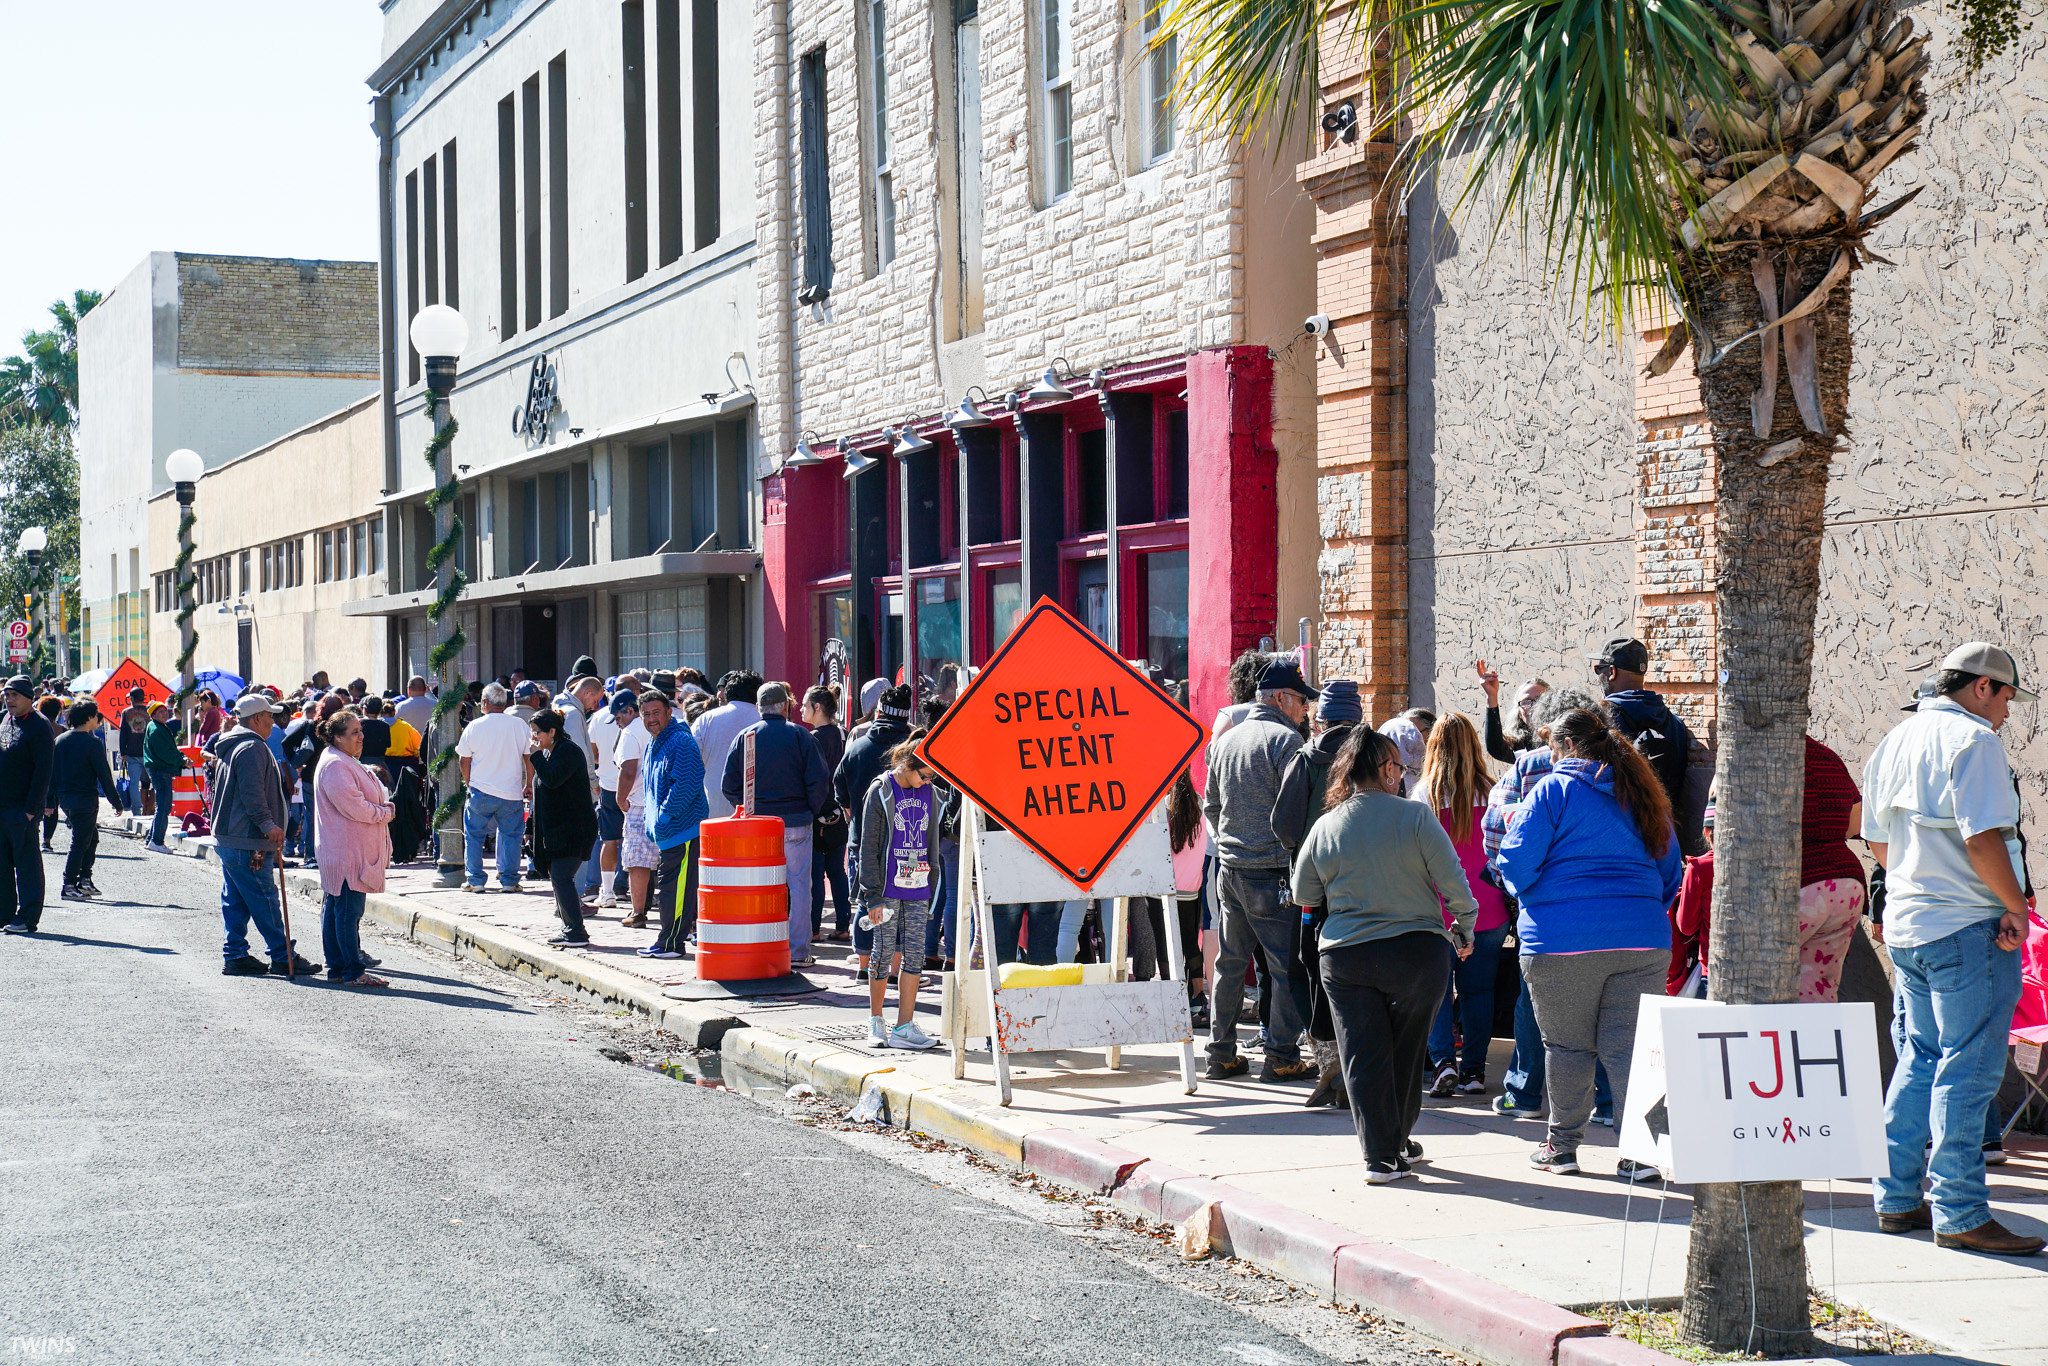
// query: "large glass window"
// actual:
[[1091, 596], [1005, 604], [654, 469], [1164, 577], [884, 184], [938, 623], [662, 628], [1159, 57], [1056, 109]]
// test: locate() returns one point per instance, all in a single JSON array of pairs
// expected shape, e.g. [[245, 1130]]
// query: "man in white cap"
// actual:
[[1941, 814]]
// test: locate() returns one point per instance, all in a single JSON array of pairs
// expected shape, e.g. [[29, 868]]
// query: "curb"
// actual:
[[1456, 1308]]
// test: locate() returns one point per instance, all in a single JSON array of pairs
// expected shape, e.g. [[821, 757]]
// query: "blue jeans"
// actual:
[[1524, 1082], [1073, 915], [341, 924], [1042, 947], [1472, 983], [248, 894], [160, 781], [1951, 1014], [482, 814]]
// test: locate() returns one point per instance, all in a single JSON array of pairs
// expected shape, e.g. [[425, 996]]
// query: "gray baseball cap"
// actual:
[[1988, 661]]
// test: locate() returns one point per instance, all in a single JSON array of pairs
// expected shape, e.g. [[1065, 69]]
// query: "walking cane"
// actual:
[[284, 906]]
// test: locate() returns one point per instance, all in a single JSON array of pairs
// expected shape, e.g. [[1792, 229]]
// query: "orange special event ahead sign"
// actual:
[[1064, 743]]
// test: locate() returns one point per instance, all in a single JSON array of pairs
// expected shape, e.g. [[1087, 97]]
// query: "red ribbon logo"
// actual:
[[1789, 1137]]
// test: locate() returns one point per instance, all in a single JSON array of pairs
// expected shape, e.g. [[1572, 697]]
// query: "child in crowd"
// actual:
[[898, 830]]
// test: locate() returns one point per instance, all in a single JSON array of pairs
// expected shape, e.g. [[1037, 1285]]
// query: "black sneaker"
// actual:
[[1555, 1161], [1446, 1083], [1221, 1069], [70, 893], [565, 941], [1628, 1169], [245, 966], [1298, 1070], [17, 927], [368, 961], [1380, 1173], [301, 967]]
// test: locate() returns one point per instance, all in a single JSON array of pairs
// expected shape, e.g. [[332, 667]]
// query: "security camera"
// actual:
[[1317, 325]]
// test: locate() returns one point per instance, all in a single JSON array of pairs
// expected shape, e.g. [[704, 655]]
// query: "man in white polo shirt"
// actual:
[[1941, 814]]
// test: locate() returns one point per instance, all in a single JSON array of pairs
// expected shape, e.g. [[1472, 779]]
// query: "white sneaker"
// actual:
[[156, 848], [878, 1033], [607, 900], [908, 1035]]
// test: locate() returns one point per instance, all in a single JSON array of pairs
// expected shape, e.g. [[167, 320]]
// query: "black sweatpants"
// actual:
[[84, 819], [568, 901], [675, 895], [1383, 996], [21, 868]]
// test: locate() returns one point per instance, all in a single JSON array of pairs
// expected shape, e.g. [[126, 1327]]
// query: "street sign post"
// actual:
[[17, 640], [1072, 750]]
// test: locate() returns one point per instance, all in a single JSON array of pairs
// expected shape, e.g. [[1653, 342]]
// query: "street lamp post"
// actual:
[[33, 542], [184, 468], [439, 334]]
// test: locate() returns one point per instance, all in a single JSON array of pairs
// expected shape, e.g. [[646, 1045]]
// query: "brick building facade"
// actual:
[[954, 203]]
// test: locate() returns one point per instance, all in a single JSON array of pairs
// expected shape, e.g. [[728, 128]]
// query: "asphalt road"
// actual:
[[198, 1168]]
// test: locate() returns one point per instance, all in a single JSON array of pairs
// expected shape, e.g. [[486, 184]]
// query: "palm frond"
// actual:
[[1245, 64]]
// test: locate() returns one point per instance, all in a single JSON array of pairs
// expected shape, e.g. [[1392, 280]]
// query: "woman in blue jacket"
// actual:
[[1594, 862]]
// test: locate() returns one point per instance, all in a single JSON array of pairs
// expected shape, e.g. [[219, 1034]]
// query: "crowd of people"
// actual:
[[1359, 887]]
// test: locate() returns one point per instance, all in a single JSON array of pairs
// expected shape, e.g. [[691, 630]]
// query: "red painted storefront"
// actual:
[[1145, 503]]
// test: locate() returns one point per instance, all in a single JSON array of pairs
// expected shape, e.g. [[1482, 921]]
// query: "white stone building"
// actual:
[[576, 177], [954, 199], [216, 354]]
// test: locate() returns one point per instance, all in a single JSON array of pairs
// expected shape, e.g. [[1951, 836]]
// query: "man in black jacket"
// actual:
[[1657, 734], [26, 753], [790, 782]]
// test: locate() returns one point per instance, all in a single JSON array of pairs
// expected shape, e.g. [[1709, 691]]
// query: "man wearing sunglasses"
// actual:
[[1941, 815]]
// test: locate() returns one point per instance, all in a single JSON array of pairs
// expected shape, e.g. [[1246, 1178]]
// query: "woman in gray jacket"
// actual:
[[1399, 907]]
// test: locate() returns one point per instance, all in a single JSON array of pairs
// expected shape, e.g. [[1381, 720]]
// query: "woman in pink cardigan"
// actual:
[[352, 838]]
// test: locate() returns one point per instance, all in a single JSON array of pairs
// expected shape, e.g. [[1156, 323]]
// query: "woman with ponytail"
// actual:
[[1594, 862]]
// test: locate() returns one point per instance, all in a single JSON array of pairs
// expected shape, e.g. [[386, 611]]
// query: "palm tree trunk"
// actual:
[[1746, 1285]]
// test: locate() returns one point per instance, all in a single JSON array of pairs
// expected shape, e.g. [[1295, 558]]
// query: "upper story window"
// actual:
[[1056, 102], [882, 187], [816, 178], [1159, 60]]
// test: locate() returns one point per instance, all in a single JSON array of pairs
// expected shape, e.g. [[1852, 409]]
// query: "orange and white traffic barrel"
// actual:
[[742, 900], [188, 789]]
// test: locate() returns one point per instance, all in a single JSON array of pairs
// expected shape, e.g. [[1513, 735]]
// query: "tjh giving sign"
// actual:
[[1755, 1093]]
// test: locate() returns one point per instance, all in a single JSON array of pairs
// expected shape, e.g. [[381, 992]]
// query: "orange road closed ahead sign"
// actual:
[[1064, 743], [113, 694]]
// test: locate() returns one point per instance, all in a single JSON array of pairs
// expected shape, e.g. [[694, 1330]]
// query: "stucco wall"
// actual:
[[1521, 475], [116, 399], [309, 480], [1520, 432], [1937, 531]]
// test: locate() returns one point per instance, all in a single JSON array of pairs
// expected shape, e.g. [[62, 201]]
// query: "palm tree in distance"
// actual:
[[41, 383], [1713, 164]]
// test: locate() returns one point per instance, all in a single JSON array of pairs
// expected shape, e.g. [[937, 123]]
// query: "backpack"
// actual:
[[1667, 758]]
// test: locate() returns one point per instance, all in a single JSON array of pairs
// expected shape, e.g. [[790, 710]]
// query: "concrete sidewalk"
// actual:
[[1289, 1182]]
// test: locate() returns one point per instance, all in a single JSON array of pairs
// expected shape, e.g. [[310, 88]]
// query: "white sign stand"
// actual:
[[1105, 1010]]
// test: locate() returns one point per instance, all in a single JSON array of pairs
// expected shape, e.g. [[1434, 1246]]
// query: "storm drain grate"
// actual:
[[834, 1033]]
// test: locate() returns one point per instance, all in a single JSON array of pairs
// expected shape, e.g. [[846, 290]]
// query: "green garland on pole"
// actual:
[[187, 586], [449, 650]]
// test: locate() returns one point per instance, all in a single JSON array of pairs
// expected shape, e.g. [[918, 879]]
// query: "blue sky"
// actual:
[[180, 125]]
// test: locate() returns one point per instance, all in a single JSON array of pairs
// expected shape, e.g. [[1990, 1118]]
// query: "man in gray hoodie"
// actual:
[[1255, 908], [248, 834]]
